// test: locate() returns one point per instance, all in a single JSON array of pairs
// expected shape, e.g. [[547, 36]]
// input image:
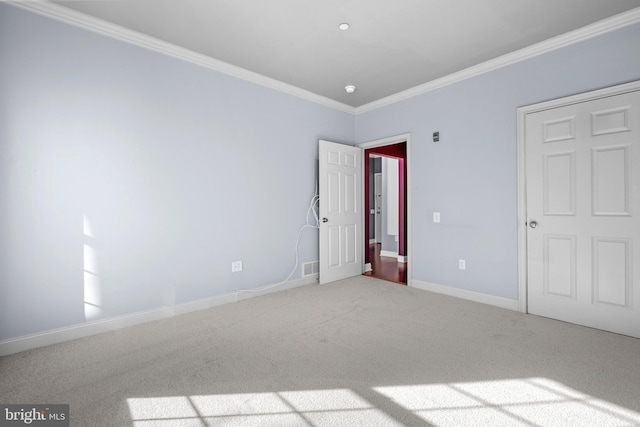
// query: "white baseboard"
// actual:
[[389, 254], [509, 304], [256, 292], [367, 267], [372, 241], [55, 336], [403, 258]]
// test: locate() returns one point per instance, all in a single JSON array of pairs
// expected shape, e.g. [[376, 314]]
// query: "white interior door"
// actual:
[[583, 203], [341, 217]]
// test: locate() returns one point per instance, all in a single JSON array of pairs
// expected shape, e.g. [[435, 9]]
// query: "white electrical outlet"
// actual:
[[436, 217], [236, 266], [462, 264]]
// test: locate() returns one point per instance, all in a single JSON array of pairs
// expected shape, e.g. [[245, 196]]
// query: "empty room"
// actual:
[[320, 213]]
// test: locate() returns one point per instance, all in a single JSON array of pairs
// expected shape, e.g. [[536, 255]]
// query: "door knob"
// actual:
[[533, 224], [325, 220]]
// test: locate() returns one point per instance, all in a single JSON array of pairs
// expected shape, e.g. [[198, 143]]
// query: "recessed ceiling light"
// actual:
[[350, 88], [344, 26]]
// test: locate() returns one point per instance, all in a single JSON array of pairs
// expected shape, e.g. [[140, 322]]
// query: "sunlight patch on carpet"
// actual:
[[286, 408], [516, 402]]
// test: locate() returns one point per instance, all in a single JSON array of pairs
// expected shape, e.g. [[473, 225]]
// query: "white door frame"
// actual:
[[521, 149], [377, 217], [406, 137]]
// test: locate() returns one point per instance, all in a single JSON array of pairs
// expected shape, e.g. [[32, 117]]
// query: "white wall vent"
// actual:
[[310, 268]]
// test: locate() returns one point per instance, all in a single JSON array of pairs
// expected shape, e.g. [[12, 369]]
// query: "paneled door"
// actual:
[[583, 212], [341, 217]]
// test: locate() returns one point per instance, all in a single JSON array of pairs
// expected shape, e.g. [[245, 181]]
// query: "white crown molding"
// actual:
[[593, 30], [79, 19], [55, 11]]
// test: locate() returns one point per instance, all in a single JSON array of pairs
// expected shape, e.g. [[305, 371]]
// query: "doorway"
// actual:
[[386, 230]]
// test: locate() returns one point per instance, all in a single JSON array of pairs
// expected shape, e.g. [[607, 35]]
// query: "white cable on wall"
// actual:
[[314, 223]]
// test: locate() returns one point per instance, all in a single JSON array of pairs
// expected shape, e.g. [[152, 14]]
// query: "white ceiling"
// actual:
[[391, 46]]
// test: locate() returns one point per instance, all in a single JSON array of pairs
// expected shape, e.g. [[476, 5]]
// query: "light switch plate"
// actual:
[[436, 217]]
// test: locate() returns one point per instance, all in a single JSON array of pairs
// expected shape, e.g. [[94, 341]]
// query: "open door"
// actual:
[[340, 186]]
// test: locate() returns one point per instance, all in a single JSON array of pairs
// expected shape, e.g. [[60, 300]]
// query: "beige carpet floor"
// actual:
[[356, 352]]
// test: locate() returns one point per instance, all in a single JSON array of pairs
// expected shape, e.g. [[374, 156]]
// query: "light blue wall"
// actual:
[[470, 175], [180, 170]]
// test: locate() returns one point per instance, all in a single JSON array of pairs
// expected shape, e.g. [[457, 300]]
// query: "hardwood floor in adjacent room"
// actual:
[[386, 268]]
